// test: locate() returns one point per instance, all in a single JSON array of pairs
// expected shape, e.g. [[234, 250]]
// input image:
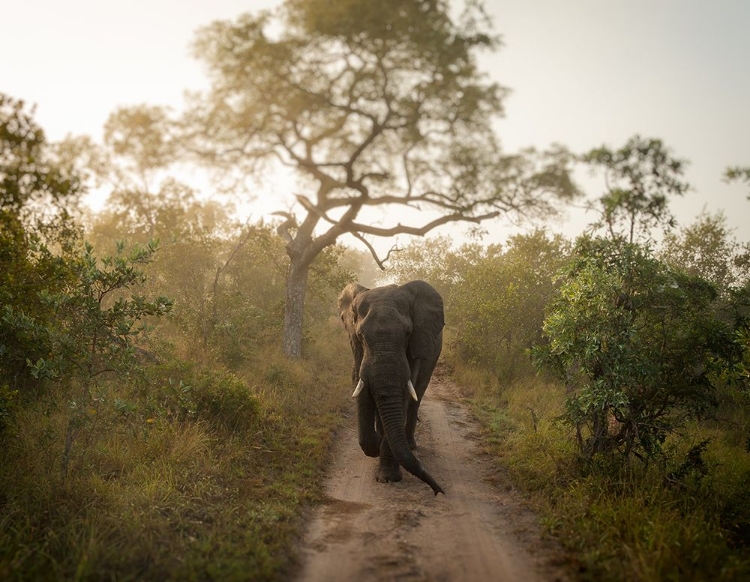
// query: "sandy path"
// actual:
[[478, 531]]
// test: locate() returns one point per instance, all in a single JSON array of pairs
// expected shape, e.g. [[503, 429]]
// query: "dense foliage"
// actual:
[[128, 417], [499, 304], [494, 295], [37, 239], [638, 345], [63, 312]]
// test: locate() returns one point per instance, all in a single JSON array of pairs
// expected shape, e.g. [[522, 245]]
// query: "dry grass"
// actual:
[[165, 480]]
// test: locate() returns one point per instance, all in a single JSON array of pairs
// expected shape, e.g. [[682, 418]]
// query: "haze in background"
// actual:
[[582, 73]]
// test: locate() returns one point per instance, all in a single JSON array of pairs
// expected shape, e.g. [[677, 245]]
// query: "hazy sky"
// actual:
[[582, 73]]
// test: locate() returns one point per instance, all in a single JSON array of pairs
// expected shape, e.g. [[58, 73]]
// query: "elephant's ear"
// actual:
[[427, 319], [347, 313]]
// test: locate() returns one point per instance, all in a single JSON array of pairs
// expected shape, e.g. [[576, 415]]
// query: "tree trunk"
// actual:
[[296, 287]]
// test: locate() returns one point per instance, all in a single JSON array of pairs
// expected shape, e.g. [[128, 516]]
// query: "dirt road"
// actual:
[[479, 531]]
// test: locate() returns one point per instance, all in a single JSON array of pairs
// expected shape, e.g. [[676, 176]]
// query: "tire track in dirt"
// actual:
[[479, 531]]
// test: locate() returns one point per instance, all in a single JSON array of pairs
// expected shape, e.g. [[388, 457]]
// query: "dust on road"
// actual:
[[479, 531]]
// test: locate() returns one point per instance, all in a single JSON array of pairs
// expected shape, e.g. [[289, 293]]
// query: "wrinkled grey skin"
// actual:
[[396, 334]]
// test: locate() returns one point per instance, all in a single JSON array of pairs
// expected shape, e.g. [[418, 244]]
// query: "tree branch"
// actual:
[[283, 229], [372, 250], [422, 230]]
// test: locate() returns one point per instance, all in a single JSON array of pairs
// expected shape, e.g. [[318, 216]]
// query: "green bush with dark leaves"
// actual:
[[639, 346]]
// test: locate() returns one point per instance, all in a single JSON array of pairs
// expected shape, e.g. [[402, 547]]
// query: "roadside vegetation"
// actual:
[[146, 437], [611, 376]]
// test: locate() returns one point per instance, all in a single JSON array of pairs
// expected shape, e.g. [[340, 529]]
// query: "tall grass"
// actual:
[[684, 518], [183, 473]]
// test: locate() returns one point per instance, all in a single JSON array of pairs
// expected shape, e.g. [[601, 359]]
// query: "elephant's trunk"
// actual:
[[392, 416]]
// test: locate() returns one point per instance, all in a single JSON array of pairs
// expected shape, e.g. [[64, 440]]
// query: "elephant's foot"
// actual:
[[388, 474]]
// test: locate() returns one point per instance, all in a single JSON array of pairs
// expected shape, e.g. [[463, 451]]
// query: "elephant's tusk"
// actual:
[[412, 391], [358, 389]]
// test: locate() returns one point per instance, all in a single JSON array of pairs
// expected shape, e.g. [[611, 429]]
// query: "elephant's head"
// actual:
[[393, 330]]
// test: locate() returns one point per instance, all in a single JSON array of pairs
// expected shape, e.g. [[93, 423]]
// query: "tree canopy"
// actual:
[[640, 177], [370, 106]]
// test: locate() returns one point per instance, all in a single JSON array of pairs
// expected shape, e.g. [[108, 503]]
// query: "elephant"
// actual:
[[396, 335]]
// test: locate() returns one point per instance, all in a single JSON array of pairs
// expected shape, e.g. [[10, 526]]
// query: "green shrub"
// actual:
[[225, 400], [497, 306], [638, 345], [38, 238], [177, 389]]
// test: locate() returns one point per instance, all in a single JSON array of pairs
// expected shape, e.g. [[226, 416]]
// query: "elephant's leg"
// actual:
[[388, 469]]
